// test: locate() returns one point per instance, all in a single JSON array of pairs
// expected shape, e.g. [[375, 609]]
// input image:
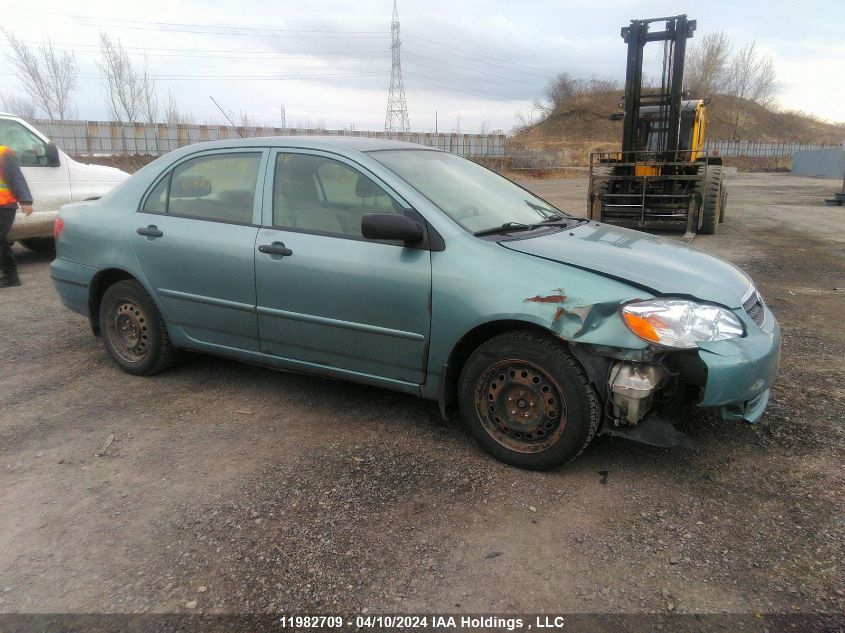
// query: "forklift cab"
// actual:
[[651, 133]]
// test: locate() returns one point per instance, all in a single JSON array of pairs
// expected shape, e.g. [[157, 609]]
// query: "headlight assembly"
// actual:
[[679, 323]]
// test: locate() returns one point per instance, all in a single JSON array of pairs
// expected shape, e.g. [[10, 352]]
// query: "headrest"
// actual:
[[190, 187], [366, 188]]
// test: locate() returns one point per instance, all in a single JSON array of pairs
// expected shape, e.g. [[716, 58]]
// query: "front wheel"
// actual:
[[527, 401], [133, 331]]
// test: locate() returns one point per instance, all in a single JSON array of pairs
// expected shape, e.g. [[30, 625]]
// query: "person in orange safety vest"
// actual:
[[13, 192]]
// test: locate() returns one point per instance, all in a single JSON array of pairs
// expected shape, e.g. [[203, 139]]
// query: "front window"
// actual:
[[474, 197], [30, 149], [316, 194]]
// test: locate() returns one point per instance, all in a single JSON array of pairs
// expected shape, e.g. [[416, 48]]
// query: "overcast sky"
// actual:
[[475, 62]]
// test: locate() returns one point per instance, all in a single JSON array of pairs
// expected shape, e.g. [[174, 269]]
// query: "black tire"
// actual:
[[555, 412], [133, 331], [710, 190], [39, 244], [723, 204], [601, 185]]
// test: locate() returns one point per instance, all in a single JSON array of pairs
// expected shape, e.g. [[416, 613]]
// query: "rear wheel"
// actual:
[[709, 186], [133, 331], [39, 244], [723, 204], [526, 400], [601, 186]]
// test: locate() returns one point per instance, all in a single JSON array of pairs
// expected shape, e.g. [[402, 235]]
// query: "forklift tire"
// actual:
[[601, 185], [722, 205], [710, 190]]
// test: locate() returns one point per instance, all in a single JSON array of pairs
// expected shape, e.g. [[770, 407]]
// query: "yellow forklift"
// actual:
[[663, 178]]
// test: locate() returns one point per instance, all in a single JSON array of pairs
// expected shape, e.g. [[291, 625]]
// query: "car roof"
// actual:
[[355, 143]]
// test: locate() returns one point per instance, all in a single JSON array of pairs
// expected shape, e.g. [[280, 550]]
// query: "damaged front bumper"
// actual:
[[741, 371], [734, 375]]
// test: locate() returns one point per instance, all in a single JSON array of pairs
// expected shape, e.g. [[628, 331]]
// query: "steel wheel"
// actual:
[[520, 406], [127, 329], [527, 401], [133, 331]]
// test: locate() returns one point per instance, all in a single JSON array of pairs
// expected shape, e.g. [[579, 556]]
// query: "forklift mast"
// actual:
[[674, 38]]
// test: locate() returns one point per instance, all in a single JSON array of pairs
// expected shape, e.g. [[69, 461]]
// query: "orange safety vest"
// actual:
[[6, 196]]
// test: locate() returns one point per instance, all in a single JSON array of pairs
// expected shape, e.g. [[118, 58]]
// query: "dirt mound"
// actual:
[[583, 122]]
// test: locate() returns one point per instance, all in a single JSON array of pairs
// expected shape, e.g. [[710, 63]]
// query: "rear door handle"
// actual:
[[276, 248], [150, 231]]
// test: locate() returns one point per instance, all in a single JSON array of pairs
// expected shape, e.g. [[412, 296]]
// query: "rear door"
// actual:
[[195, 240], [327, 296]]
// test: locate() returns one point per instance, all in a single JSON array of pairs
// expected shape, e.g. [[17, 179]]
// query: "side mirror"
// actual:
[[52, 155], [390, 226]]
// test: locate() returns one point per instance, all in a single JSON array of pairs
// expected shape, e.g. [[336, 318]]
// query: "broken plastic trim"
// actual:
[[652, 430]]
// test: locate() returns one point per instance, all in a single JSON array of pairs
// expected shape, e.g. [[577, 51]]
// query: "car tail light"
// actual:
[[58, 227]]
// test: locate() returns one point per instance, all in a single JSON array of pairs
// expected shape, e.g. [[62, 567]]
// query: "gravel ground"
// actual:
[[221, 487]]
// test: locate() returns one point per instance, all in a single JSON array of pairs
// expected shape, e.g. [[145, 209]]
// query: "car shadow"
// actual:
[[24, 256]]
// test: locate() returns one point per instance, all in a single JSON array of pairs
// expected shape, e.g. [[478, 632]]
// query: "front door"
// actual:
[[195, 240], [326, 296]]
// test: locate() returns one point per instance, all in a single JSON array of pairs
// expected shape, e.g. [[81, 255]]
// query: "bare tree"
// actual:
[[130, 93], [565, 88], [524, 120], [150, 104], [245, 119], [707, 64], [751, 79], [172, 114], [22, 106], [48, 76], [120, 82], [752, 75], [560, 90]]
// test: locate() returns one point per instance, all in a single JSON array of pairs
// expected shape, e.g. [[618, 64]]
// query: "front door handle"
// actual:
[[276, 248], [150, 231]]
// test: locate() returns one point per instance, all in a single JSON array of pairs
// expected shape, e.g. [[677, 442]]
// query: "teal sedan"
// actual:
[[405, 267]]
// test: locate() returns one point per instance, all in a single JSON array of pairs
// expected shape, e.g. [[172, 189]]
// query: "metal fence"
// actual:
[[780, 149], [110, 138], [828, 163]]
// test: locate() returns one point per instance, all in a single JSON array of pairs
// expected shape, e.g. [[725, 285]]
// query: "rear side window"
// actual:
[[156, 202], [218, 187]]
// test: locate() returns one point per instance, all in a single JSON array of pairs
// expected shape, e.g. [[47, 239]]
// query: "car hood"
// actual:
[[97, 173], [663, 266]]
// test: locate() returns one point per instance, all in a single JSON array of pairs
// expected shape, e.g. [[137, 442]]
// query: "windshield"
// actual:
[[475, 197]]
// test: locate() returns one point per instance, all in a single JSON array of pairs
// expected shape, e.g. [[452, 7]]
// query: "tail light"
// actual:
[[58, 227]]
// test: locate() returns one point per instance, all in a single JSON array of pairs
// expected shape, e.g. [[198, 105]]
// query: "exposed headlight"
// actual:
[[679, 323]]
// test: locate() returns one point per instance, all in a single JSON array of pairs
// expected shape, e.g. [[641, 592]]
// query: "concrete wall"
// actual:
[[827, 163], [731, 148], [110, 138]]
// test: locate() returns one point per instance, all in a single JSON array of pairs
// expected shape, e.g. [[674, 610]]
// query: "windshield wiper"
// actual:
[[551, 219], [507, 227], [552, 215]]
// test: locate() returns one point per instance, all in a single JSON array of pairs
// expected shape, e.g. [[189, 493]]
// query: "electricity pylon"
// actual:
[[397, 108]]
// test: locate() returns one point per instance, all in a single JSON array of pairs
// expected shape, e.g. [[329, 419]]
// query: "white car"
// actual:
[[53, 178]]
